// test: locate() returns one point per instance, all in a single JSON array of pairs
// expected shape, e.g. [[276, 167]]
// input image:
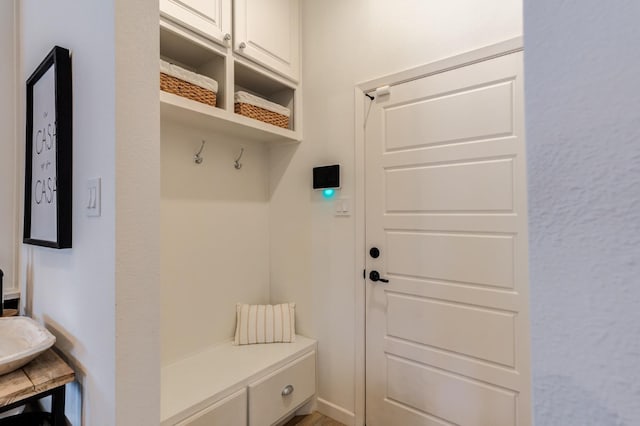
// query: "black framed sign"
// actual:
[[48, 161]]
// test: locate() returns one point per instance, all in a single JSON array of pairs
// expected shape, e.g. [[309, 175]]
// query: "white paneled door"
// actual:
[[447, 340]]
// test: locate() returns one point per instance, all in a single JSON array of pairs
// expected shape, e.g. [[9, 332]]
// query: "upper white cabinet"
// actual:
[[245, 46], [267, 32], [210, 18]]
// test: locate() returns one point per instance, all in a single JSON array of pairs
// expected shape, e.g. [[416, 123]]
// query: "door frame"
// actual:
[[361, 105]]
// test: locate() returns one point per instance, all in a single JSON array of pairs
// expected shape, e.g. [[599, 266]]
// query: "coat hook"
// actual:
[[238, 164], [197, 158]]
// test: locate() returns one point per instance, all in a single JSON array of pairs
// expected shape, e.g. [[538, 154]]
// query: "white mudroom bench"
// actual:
[[256, 385]]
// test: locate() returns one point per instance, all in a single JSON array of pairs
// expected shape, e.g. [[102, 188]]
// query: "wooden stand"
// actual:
[[46, 375]]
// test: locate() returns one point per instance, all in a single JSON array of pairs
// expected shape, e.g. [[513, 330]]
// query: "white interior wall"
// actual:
[[313, 256], [137, 213], [7, 148], [215, 236], [72, 291], [100, 298], [583, 154]]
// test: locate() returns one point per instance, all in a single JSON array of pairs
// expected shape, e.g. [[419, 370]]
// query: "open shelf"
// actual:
[[190, 51], [252, 80], [196, 57], [190, 113]]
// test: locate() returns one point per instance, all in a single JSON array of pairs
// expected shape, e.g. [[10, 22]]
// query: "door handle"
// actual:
[[375, 276]]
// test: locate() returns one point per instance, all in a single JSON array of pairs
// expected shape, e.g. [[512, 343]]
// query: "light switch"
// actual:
[[343, 207], [92, 203]]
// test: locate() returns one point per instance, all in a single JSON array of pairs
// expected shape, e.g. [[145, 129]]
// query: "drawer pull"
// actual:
[[287, 390]]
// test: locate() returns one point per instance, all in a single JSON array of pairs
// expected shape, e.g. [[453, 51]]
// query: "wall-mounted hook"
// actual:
[[238, 164], [197, 158]]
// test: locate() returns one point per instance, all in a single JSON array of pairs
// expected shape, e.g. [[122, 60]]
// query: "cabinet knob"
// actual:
[[242, 45], [287, 390], [227, 37]]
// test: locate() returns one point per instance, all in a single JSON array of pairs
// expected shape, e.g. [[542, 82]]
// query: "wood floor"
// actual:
[[315, 419]]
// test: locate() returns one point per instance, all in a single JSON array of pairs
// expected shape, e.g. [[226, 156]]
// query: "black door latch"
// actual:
[[375, 276]]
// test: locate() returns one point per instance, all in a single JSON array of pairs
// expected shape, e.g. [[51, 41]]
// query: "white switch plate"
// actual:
[[92, 202], [343, 206]]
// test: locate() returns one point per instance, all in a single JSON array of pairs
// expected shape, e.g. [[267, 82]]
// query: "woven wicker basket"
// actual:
[[258, 113], [187, 90]]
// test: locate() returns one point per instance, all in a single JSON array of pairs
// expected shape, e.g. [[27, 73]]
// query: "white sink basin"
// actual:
[[21, 340]]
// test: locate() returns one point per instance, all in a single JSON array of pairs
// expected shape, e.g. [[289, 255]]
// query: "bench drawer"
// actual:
[[276, 395], [230, 411]]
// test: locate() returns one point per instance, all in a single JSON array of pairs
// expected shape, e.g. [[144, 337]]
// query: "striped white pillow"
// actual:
[[265, 323]]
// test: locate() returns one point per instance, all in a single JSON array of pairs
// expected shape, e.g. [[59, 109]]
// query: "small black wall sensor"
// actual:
[[326, 177]]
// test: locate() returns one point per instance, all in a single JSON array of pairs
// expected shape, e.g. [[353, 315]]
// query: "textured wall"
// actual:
[[7, 147], [72, 291], [137, 213], [101, 298], [583, 133]]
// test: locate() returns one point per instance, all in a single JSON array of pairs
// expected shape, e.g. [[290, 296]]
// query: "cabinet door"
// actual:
[[231, 411], [267, 33], [211, 18]]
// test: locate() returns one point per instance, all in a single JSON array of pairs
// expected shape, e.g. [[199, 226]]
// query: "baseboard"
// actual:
[[335, 412]]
